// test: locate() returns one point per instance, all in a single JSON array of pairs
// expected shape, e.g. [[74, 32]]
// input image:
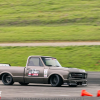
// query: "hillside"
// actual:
[[49, 20], [31, 12], [83, 57]]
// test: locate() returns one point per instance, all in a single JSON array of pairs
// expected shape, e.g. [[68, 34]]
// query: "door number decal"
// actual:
[[45, 72]]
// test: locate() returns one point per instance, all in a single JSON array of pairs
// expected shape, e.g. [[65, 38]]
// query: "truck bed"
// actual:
[[16, 72]]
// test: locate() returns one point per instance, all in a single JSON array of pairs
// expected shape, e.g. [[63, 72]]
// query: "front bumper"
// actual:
[[75, 82]]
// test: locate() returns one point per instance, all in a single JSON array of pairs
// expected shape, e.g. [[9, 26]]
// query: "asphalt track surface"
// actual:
[[47, 92], [51, 44]]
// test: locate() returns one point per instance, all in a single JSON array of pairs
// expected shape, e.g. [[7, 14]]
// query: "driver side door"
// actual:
[[34, 72]]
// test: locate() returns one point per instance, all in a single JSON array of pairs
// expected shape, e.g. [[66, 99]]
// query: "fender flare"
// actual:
[[4, 72], [54, 74]]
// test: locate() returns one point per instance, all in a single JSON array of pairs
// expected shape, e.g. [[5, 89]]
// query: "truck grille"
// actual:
[[77, 75]]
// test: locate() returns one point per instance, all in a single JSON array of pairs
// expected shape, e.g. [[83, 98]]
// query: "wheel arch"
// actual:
[[5, 73], [54, 74]]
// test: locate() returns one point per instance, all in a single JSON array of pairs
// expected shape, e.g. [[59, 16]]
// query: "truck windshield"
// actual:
[[52, 62]]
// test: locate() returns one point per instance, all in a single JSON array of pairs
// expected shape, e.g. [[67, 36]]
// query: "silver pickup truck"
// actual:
[[42, 69]]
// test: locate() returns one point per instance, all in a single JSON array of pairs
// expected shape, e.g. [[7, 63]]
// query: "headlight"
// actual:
[[70, 76], [85, 75]]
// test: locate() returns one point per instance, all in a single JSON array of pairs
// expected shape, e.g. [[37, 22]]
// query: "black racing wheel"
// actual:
[[22, 83], [7, 79], [56, 81]]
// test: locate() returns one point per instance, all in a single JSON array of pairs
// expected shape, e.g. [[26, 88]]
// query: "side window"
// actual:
[[34, 61]]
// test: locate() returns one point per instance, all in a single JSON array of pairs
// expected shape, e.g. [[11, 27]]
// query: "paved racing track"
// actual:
[[46, 92]]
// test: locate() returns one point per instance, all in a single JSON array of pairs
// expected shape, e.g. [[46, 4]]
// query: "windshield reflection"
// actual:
[[52, 62]]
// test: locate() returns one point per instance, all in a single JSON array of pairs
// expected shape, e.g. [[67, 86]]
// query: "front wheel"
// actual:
[[56, 81], [7, 79], [23, 83]]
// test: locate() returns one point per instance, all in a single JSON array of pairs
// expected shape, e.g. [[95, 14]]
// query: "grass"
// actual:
[[36, 12], [83, 57], [44, 33], [49, 20]]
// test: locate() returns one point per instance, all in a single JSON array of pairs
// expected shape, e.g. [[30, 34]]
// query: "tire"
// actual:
[[7, 79], [23, 83], [56, 81]]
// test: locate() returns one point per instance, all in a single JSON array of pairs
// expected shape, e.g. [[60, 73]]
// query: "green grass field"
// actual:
[[23, 12], [84, 57], [43, 33], [49, 20]]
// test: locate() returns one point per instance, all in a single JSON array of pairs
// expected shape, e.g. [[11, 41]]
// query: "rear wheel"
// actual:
[[7, 79], [56, 80], [23, 83]]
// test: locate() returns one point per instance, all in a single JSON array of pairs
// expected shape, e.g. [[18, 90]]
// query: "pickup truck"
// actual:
[[42, 69]]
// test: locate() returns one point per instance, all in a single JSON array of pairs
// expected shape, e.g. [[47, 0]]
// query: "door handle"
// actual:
[[28, 68]]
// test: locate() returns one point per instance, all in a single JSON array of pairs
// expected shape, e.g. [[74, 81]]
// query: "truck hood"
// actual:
[[67, 69]]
